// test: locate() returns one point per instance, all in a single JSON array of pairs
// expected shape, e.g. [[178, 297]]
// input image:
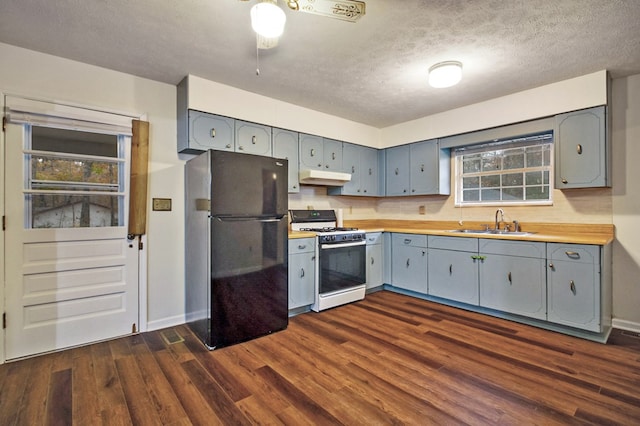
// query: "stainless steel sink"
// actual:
[[490, 232]]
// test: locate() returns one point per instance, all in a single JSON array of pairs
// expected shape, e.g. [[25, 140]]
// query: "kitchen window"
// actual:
[[508, 172]]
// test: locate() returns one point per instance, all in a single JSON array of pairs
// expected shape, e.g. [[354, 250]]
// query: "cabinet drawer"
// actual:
[[513, 248], [578, 253], [374, 238], [413, 240], [453, 243], [302, 245]]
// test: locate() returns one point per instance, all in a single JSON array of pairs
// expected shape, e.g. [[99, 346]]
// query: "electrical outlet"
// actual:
[[162, 204], [422, 210]]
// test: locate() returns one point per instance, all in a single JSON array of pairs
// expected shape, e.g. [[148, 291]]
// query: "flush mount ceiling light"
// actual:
[[267, 19], [445, 74]]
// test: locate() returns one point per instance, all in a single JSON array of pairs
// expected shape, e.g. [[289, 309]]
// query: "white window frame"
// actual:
[[497, 146]]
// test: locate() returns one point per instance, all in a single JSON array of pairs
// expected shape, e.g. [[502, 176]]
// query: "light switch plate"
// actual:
[[162, 204]]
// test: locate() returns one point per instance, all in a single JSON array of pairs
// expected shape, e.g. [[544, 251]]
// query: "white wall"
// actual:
[[626, 201]]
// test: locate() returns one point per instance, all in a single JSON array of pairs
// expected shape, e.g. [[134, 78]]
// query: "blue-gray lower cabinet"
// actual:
[[573, 280], [409, 262], [513, 277], [301, 272], [374, 260], [453, 268]]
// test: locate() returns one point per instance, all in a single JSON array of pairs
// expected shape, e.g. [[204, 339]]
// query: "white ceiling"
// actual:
[[373, 71]]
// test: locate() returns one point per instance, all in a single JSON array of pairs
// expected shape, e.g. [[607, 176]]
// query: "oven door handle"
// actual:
[[342, 245]]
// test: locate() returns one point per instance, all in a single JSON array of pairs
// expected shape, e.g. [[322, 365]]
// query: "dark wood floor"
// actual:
[[389, 359]]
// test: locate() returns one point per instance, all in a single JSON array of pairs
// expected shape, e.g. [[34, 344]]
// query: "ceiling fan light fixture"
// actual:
[[267, 19], [445, 74]]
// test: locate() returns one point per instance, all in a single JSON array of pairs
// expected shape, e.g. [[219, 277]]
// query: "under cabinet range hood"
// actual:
[[323, 177]]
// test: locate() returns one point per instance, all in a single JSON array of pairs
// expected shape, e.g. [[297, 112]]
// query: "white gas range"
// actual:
[[340, 258]]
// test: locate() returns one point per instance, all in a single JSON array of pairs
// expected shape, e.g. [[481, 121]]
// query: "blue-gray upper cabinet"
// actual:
[[429, 168], [419, 168], [285, 145], [582, 149], [252, 138], [319, 153], [207, 131], [363, 163], [397, 170]]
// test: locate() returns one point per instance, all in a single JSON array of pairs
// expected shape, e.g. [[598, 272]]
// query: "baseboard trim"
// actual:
[[166, 322], [625, 325]]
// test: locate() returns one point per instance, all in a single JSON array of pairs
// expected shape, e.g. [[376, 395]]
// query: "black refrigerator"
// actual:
[[235, 247]]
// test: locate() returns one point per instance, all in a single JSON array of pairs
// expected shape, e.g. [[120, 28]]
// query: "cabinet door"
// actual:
[[514, 284], [301, 280], [580, 149], [311, 151], [253, 138], [397, 170], [351, 164], [332, 155], [423, 167], [285, 145], [208, 131], [573, 280], [369, 174], [374, 265], [453, 275], [409, 262]]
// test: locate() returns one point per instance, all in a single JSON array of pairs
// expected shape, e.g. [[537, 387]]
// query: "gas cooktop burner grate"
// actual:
[[328, 229]]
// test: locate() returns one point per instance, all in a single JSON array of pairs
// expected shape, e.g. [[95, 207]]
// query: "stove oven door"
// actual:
[[342, 266]]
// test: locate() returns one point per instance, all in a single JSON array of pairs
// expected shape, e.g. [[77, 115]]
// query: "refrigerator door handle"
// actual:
[[248, 219]]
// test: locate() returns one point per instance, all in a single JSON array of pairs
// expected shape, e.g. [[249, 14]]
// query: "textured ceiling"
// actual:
[[373, 71]]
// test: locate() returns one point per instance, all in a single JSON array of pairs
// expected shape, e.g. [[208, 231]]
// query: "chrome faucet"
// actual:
[[497, 224]]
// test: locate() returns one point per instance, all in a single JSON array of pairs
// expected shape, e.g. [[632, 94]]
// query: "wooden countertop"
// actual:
[[597, 234]]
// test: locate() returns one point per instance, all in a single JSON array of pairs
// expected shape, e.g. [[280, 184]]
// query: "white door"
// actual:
[[71, 275]]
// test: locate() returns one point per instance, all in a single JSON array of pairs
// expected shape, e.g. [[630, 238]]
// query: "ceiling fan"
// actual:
[[267, 19]]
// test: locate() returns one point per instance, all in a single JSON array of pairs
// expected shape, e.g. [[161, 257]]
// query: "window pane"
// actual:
[[512, 194], [490, 162], [534, 157], [537, 192], [74, 211], [471, 195], [74, 142], [515, 161], [512, 179], [50, 168], [490, 181], [490, 194], [534, 178], [470, 182], [471, 164]]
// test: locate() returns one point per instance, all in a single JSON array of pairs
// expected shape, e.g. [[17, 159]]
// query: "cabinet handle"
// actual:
[[370, 172], [353, 169], [313, 152], [572, 254], [253, 139], [450, 269], [333, 155], [372, 262], [301, 272], [572, 287], [302, 246], [240, 148], [396, 170], [213, 133], [509, 277], [579, 149], [423, 253], [404, 190], [408, 263], [551, 266], [228, 145], [407, 241], [422, 167], [564, 180]]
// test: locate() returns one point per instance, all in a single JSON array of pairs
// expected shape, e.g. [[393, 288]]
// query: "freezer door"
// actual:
[[249, 291], [247, 185]]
